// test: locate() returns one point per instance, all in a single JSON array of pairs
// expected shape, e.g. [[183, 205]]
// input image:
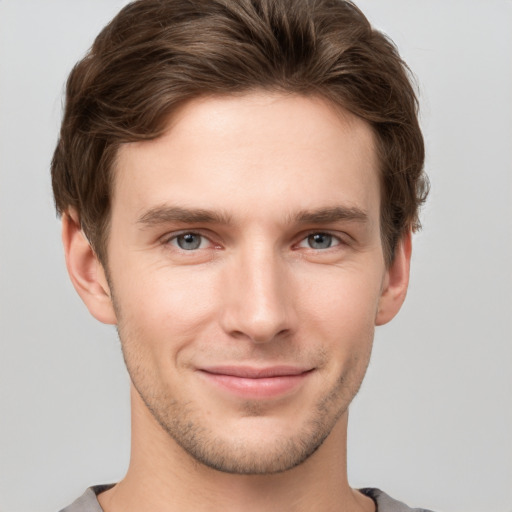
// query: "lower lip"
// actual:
[[266, 387]]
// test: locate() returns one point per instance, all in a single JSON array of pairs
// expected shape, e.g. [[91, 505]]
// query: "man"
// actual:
[[238, 183]]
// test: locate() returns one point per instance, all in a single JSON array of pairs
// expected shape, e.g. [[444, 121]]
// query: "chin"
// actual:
[[254, 444], [252, 456]]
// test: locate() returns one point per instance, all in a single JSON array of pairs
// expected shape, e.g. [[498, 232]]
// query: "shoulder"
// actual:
[[88, 502], [387, 504]]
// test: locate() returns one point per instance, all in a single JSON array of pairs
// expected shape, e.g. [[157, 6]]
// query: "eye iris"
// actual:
[[320, 241], [189, 241]]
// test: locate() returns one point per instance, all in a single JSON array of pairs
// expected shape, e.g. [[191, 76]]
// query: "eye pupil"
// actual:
[[189, 241], [320, 241]]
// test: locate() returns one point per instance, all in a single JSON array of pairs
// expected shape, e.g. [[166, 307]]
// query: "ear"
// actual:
[[395, 282], [85, 270]]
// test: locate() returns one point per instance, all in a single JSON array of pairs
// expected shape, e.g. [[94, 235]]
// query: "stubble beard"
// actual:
[[184, 423], [229, 455]]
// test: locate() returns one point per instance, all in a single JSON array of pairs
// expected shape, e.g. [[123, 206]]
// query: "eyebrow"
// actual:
[[164, 214], [329, 215]]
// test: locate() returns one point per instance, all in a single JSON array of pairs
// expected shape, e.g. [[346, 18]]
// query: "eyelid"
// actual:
[[336, 236], [343, 239], [169, 237]]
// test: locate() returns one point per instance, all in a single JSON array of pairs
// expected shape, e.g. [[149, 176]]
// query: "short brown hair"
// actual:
[[156, 54]]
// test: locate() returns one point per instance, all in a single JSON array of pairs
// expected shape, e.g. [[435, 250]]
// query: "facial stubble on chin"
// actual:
[[180, 422], [184, 425]]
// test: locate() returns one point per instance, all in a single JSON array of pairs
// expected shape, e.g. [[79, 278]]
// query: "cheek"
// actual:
[[342, 306], [343, 296], [170, 300], [160, 315]]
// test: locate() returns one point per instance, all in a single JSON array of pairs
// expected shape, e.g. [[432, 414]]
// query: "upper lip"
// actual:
[[250, 372]]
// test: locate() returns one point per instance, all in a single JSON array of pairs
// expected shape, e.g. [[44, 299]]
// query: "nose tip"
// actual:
[[261, 330], [257, 305]]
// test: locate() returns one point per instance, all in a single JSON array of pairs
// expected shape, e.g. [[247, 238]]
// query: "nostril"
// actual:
[[261, 336]]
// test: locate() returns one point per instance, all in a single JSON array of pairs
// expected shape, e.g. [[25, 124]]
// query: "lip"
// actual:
[[256, 383]]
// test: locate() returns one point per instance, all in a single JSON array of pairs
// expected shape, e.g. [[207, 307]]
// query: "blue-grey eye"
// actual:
[[320, 241], [189, 241]]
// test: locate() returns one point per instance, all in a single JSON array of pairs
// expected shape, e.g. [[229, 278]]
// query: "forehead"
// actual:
[[287, 151]]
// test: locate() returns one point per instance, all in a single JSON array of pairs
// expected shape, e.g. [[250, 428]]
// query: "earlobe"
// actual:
[[396, 282], [85, 270]]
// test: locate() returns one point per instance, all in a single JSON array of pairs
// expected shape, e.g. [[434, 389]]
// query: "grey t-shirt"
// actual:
[[89, 503]]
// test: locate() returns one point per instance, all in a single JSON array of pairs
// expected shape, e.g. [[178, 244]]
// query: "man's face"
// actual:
[[246, 268]]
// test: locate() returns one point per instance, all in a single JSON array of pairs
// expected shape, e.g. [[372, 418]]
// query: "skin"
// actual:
[[245, 239]]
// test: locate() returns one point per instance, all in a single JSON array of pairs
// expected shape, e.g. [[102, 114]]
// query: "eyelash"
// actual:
[[174, 238], [335, 240]]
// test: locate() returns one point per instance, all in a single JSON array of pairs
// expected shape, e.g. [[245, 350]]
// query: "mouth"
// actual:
[[256, 383]]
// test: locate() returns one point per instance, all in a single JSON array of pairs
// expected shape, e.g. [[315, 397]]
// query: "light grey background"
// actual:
[[432, 424]]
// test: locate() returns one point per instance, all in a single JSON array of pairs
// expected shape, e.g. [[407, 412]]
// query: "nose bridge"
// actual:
[[257, 305]]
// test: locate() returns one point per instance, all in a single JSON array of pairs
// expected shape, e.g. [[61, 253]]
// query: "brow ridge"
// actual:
[[164, 213], [331, 214]]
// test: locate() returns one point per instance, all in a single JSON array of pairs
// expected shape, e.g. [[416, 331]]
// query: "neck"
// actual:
[[163, 477]]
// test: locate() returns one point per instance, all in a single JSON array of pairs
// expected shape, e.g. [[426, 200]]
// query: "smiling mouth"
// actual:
[[256, 383]]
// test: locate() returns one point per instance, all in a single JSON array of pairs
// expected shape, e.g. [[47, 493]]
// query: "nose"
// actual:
[[258, 300]]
